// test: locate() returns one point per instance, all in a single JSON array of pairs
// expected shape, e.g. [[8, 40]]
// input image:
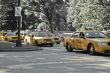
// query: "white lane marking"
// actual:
[[29, 65], [96, 66], [86, 58], [54, 53], [54, 49], [105, 65], [77, 58], [3, 55], [41, 58], [101, 72]]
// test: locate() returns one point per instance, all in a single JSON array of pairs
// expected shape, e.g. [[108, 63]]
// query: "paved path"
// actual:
[[53, 60]]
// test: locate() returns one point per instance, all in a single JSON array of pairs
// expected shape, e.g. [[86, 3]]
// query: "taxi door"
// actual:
[[73, 40], [2, 34], [32, 39], [82, 41]]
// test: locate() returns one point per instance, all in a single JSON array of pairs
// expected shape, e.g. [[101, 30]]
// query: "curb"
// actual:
[[9, 46], [23, 48]]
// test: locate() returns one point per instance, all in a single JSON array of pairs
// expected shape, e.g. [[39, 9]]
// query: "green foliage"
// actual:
[[30, 9], [33, 14], [84, 13], [8, 20]]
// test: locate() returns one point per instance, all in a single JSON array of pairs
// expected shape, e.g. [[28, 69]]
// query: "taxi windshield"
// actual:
[[95, 35], [41, 34], [50, 34], [11, 34]]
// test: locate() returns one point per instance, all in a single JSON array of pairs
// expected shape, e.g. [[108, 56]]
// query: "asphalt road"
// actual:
[[53, 60]]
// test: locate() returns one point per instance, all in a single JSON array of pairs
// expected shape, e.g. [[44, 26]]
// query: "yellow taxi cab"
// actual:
[[23, 34], [11, 36], [56, 38], [107, 32], [65, 35], [91, 41], [2, 34], [38, 38]]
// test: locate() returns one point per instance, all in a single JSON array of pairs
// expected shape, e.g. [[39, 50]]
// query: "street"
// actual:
[[53, 60], [80, 24]]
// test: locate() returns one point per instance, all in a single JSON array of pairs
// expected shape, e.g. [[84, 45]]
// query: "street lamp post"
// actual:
[[18, 41]]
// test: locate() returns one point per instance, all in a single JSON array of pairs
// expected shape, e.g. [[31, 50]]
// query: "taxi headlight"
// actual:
[[102, 43]]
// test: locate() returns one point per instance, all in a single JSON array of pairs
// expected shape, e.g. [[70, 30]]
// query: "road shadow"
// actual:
[[46, 46], [97, 54], [103, 54], [18, 50], [24, 48]]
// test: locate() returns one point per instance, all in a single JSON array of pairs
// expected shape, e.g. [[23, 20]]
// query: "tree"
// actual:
[[34, 12], [54, 11], [84, 13], [30, 14], [8, 20]]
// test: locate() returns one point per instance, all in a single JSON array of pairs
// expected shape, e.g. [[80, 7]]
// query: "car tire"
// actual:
[[36, 43], [58, 42], [92, 50], [51, 45], [69, 48], [6, 39], [26, 42]]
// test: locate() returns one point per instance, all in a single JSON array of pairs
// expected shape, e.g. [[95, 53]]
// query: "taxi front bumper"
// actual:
[[103, 49]]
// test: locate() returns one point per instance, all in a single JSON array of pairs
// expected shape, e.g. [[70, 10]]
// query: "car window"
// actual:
[[41, 34], [49, 34], [75, 35], [66, 34], [95, 35]]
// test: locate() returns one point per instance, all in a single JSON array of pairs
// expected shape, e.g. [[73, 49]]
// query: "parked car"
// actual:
[[107, 32], [56, 38], [2, 34], [90, 41], [11, 36], [65, 35], [23, 34], [38, 38]]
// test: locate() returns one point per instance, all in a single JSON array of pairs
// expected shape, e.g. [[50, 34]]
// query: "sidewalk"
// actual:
[[9, 46]]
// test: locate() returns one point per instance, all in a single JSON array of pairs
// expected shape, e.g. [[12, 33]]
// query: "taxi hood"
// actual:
[[100, 39]]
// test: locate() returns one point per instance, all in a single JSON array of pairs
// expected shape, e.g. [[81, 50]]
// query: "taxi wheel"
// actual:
[[58, 42], [36, 43], [92, 50], [6, 39], [51, 45], [69, 48], [26, 42]]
